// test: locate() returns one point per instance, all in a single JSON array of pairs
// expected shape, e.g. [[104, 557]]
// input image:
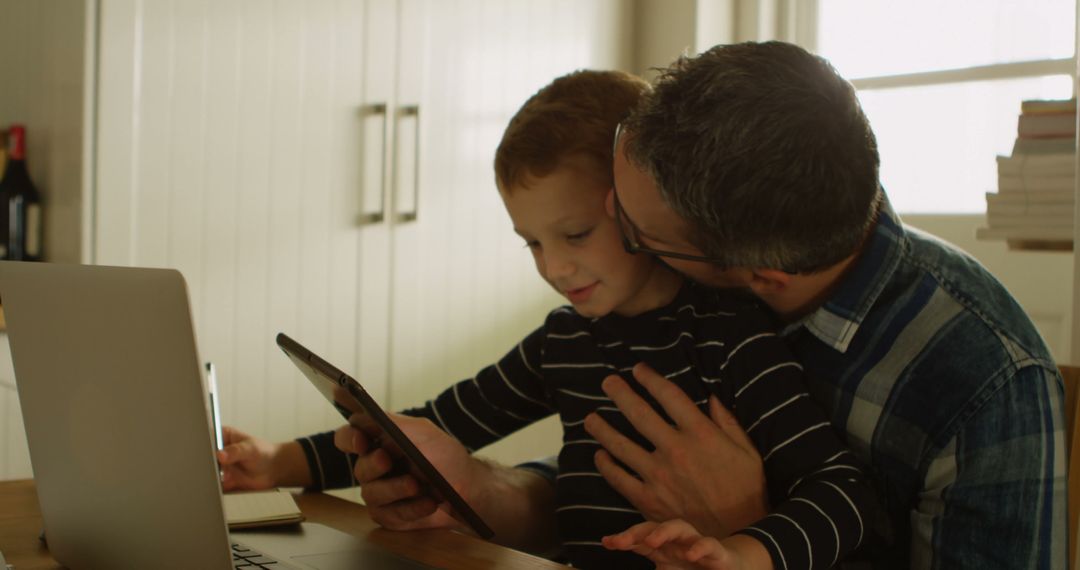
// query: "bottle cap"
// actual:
[[17, 142]]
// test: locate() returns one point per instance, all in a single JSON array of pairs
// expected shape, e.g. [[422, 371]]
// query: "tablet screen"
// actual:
[[360, 410]]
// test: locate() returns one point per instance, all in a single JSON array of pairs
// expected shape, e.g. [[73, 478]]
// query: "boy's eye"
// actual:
[[532, 244], [579, 235]]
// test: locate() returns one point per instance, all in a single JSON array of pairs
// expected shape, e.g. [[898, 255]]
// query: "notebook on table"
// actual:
[[118, 425], [257, 509]]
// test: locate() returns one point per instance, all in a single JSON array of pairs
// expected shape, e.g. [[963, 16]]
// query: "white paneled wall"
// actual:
[[232, 146], [231, 113]]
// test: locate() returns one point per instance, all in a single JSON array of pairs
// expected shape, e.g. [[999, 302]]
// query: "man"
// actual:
[[753, 166]]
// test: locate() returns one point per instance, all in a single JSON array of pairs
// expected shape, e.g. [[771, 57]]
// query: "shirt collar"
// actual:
[[836, 322]]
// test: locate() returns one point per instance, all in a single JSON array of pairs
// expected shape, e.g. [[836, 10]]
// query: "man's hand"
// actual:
[[704, 469], [401, 502], [677, 545], [518, 503]]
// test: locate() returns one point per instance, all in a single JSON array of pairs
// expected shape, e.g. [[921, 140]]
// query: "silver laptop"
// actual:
[[117, 420]]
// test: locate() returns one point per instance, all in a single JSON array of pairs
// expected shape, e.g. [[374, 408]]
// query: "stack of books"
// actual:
[[1036, 184]]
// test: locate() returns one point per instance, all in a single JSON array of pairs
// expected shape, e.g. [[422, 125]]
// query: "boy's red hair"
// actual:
[[573, 116]]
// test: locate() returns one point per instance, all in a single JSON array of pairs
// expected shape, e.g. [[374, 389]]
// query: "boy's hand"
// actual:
[[677, 545], [246, 461], [678, 479]]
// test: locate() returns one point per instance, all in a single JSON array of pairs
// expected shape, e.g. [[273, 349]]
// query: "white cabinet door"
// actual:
[[230, 147], [377, 161]]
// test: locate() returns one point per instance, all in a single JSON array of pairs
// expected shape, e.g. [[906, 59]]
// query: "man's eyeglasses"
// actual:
[[630, 239], [633, 244]]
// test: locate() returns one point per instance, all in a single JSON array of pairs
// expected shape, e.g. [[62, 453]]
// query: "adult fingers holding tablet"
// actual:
[[402, 502], [373, 462], [372, 422]]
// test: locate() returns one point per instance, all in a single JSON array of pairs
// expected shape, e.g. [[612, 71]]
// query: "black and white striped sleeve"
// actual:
[[820, 496], [498, 401], [330, 467]]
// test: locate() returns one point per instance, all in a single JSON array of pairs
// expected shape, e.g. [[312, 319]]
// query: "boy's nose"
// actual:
[[558, 266]]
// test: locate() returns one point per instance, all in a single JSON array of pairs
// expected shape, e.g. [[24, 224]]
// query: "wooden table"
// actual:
[[20, 523]]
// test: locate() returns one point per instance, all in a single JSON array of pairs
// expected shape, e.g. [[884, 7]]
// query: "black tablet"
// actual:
[[361, 411]]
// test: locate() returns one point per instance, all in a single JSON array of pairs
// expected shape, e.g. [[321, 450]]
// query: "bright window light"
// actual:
[[938, 141], [869, 38]]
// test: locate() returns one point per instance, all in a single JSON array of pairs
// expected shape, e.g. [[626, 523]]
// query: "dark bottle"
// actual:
[[20, 204]]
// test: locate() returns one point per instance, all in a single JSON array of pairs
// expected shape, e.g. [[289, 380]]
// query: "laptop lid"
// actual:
[[118, 425], [116, 416]]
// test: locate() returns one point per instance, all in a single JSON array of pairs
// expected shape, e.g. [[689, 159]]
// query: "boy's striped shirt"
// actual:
[[708, 344]]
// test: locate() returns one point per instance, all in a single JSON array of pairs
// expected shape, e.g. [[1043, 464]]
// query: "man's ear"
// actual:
[[769, 282]]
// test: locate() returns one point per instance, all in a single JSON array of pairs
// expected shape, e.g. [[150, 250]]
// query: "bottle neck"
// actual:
[[15, 168], [15, 175]]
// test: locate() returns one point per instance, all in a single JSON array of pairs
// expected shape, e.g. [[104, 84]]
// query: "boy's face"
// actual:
[[578, 249]]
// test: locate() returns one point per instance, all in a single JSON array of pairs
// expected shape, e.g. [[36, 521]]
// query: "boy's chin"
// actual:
[[588, 311]]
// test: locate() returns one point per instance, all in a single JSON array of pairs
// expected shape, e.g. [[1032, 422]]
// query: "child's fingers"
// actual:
[[629, 538], [666, 531], [676, 530]]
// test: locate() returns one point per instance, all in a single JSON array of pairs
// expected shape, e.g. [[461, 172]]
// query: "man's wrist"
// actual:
[[488, 485], [520, 501], [724, 523]]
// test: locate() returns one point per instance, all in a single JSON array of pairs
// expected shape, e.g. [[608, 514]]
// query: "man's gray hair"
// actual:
[[764, 149]]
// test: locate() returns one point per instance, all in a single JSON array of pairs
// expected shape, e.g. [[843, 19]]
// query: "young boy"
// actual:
[[553, 170]]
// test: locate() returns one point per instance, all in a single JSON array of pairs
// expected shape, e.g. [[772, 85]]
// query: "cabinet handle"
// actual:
[[412, 111], [377, 216]]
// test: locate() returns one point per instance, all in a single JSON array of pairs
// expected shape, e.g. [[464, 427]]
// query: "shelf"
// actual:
[[1039, 245]]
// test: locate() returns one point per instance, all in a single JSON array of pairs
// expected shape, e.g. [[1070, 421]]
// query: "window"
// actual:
[[942, 81]]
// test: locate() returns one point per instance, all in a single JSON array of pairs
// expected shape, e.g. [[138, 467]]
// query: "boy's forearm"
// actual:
[[519, 505], [752, 554], [290, 466]]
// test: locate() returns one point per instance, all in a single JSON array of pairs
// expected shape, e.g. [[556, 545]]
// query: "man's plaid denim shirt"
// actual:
[[941, 384]]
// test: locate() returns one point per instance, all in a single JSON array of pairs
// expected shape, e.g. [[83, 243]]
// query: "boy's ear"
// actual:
[[768, 282]]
